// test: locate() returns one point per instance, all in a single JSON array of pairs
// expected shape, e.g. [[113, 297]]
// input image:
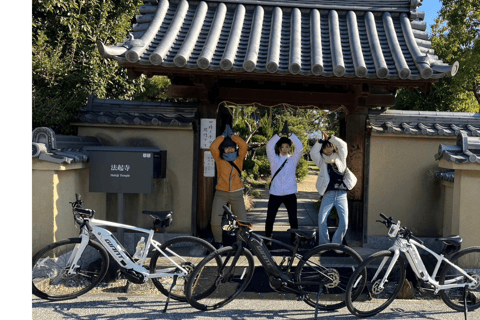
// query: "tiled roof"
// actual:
[[137, 112], [424, 122], [446, 175], [48, 146], [329, 38], [467, 150]]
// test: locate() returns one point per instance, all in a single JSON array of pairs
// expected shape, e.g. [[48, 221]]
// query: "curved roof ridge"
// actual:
[[370, 39], [373, 5]]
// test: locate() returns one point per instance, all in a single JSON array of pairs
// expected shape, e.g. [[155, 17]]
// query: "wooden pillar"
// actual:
[[205, 186], [355, 134]]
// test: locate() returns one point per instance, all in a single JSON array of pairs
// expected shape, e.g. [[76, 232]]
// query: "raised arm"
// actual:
[[298, 148], [341, 146], [242, 146], [214, 147], [271, 147], [315, 154]]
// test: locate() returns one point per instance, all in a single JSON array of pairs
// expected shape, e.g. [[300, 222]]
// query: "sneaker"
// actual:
[[338, 251], [217, 245]]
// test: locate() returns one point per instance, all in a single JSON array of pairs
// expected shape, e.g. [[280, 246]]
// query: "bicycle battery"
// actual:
[[266, 259]]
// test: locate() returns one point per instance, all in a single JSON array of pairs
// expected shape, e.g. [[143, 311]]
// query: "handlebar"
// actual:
[[387, 221], [81, 215], [229, 213], [407, 234], [78, 201]]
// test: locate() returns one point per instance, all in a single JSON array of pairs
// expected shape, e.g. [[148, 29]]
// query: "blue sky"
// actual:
[[431, 8]]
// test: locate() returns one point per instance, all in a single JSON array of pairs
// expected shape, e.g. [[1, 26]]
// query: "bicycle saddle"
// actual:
[[453, 240], [160, 215], [307, 234]]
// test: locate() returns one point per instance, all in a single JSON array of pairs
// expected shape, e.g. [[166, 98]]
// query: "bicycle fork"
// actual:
[[380, 267], [77, 253], [389, 269]]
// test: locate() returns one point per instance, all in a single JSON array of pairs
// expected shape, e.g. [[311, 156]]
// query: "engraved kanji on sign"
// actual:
[[207, 132], [208, 165]]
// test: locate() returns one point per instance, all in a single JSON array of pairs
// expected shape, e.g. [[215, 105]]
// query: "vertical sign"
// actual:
[[208, 132], [208, 165]]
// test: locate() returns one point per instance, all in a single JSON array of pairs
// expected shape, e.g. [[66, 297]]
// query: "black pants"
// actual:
[[274, 202]]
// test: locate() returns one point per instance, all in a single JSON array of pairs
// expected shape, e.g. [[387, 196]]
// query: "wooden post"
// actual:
[[355, 137], [205, 186]]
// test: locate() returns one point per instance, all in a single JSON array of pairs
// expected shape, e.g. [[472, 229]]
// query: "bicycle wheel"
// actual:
[[469, 261], [51, 265], [212, 286], [185, 251], [325, 274], [373, 298]]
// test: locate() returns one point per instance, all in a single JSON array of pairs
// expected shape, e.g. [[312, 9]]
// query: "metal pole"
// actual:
[[120, 217]]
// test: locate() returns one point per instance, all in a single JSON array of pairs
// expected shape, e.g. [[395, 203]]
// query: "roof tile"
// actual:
[[350, 38]]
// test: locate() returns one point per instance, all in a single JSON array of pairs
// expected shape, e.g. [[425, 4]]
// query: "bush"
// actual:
[[263, 167], [248, 165], [302, 169], [256, 194]]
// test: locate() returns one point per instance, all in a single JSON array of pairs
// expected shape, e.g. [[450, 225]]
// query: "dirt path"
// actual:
[[308, 184]]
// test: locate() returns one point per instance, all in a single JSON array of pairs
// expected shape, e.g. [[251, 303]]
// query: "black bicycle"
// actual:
[[319, 278]]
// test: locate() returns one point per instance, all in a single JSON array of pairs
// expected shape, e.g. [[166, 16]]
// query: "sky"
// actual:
[[431, 8]]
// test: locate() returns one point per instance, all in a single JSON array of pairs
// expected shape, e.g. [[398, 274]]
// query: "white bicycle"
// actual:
[[70, 268], [382, 275]]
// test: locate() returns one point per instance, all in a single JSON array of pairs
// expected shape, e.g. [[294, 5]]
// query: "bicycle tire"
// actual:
[[469, 260], [49, 265], [211, 286], [187, 252], [373, 300], [331, 270]]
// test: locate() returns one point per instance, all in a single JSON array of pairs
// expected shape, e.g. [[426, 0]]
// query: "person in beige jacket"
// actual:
[[333, 182]]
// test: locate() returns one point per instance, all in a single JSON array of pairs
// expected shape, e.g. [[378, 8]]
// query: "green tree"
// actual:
[[66, 65], [257, 125], [455, 37]]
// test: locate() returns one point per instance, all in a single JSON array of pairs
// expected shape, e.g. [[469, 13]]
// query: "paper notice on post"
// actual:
[[208, 165], [207, 132]]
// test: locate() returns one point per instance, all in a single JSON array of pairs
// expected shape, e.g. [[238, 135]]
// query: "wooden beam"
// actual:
[[272, 97], [380, 100], [150, 70]]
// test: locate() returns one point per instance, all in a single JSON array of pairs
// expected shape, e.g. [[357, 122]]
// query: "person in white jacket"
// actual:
[[333, 182], [283, 188]]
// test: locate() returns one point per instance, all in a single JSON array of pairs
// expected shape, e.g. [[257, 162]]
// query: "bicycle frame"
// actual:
[[414, 260], [244, 234], [118, 252]]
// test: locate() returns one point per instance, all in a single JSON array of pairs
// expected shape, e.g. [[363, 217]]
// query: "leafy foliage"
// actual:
[[67, 67], [65, 62], [257, 125], [455, 37]]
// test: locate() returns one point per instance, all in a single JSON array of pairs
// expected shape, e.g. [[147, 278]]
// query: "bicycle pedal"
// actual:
[[427, 291]]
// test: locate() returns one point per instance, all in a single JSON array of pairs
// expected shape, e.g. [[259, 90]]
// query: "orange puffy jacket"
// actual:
[[228, 177]]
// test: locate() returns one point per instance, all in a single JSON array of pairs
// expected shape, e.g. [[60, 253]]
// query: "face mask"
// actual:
[[329, 159], [230, 156]]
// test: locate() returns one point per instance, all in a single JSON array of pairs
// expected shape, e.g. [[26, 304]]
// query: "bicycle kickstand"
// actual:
[[465, 295], [316, 305], [169, 292]]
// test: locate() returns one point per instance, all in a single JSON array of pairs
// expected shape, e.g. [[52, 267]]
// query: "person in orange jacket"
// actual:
[[229, 189]]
